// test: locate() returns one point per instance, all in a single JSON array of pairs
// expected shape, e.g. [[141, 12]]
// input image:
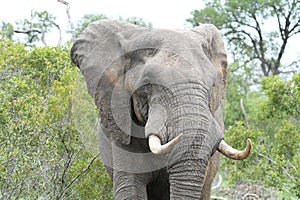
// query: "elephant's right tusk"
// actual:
[[157, 148], [232, 153]]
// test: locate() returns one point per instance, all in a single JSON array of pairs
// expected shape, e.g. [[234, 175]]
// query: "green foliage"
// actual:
[[222, 12], [7, 31], [243, 24], [208, 15], [238, 87], [274, 160], [35, 28], [96, 184], [283, 97], [42, 151]]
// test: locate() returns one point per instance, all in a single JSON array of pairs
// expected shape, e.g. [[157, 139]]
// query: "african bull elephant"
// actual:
[[159, 95]]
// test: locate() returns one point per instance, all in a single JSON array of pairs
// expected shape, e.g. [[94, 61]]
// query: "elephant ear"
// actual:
[[213, 47], [99, 54]]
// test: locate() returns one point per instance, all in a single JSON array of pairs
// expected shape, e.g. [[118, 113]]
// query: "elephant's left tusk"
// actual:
[[157, 148], [232, 153]]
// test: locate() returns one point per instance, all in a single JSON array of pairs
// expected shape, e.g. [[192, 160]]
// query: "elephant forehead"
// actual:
[[161, 39], [162, 49]]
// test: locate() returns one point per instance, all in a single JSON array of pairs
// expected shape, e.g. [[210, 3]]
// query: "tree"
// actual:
[[73, 32], [42, 152], [37, 26], [244, 26], [238, 93], [274, 160], [7, 31]]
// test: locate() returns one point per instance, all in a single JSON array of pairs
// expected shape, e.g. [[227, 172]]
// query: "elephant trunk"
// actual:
[[184, 113], [188, 160]]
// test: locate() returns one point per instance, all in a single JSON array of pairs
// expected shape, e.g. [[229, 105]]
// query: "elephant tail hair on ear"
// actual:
[[234, 154]]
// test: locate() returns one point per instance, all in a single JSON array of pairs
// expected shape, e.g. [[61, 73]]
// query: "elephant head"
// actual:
[[171, 82]]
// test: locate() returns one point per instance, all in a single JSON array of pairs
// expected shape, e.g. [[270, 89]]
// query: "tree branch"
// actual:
[[284, 170], [28, 31], [237, 20], [261, 47], [70, 19], [244, 114], [59, 32], [297, 24], [278, 19], [33, 36], [289, 72], [295, 32], [81, 173], [257, 55]]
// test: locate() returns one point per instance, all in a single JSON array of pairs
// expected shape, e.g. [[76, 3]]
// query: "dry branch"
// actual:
[[79, 174], [244, 114], [28, 31], [69, 18]]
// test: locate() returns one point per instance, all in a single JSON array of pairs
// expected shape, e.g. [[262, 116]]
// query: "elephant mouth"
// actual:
[[157, 148]]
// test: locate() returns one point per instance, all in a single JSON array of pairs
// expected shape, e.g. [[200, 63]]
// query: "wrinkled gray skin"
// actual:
[[156, 82]]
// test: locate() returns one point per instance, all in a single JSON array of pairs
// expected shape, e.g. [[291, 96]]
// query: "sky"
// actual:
[[161, 13]]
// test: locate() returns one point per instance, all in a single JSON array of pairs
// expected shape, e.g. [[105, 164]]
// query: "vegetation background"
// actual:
[[48, 121]]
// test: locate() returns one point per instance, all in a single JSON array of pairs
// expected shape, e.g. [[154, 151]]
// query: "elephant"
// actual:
[[159, 96]]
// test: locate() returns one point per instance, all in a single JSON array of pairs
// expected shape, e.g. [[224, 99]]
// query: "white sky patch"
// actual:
[[161, 13]]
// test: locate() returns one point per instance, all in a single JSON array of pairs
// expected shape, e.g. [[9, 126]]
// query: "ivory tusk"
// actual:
[[157, 148], [232, 153]]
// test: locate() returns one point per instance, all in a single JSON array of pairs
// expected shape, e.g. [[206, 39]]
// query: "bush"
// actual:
[[42, 151], [275, 134]]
